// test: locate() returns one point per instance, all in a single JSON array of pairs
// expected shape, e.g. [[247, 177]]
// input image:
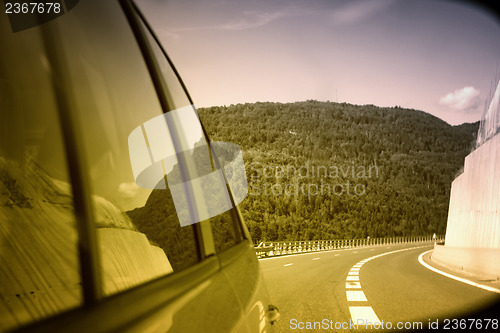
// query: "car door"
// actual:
[[145, 257]]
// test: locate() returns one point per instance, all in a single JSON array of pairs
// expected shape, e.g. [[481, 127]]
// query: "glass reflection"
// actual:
[[39, 269], [138, 230]]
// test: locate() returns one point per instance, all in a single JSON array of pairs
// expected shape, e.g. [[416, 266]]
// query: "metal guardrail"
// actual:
[[272, 249]]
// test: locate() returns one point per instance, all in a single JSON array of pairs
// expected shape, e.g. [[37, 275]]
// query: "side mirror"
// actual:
[[273, 314]]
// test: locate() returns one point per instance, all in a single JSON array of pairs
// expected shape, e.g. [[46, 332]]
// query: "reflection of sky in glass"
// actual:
[[138, 148]]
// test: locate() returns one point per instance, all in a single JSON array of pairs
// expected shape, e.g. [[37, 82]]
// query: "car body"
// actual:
[[89, 101]]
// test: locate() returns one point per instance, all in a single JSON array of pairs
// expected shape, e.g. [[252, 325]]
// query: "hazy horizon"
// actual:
[[440, 57]]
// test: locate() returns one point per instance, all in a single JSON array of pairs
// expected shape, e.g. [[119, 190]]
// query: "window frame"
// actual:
[[137, 21]]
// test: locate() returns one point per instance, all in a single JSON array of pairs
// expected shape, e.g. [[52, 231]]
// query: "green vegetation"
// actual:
[[322, 170]]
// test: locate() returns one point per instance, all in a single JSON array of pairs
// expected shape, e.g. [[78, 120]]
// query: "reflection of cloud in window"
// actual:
[[128, 190]]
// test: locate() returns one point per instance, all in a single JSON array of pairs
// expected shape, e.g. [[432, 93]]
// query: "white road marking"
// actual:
[[288, 256], [363, 315], [353, 285], [355, 296], [315, 258], [472, 283], [288, 265]]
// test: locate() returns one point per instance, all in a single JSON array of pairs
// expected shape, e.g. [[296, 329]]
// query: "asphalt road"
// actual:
[[339, 287]]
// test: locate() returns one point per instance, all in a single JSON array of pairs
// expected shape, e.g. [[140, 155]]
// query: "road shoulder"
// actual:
[[460, 275]]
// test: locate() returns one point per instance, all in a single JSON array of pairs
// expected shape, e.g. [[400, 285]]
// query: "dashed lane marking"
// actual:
[[288, 256], [288, 264], [315, 258], [363, 315], [355, 296]]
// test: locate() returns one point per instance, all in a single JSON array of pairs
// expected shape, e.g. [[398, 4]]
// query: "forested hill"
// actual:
[[323, 170]]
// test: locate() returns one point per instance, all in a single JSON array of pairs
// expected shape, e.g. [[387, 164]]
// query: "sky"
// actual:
[[441, 57]]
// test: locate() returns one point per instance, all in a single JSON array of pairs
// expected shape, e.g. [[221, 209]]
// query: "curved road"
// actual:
[[330, 291]]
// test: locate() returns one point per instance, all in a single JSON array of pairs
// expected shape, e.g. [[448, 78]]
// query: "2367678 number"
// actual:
[[32, 7], [471, 324]]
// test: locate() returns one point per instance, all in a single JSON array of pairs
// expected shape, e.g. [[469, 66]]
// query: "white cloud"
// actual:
[[355, 11], [246, 20], [128, 190], [463, 99], [252, 20]]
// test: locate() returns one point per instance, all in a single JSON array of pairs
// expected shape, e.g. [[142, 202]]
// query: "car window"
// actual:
[[139, 234], [39, 266], [144, 163]]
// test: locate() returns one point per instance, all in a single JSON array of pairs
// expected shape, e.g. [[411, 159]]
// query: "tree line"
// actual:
[[323, 170]]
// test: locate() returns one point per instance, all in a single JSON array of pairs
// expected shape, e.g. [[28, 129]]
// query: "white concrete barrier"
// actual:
[[479, 261], [474, 213]]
